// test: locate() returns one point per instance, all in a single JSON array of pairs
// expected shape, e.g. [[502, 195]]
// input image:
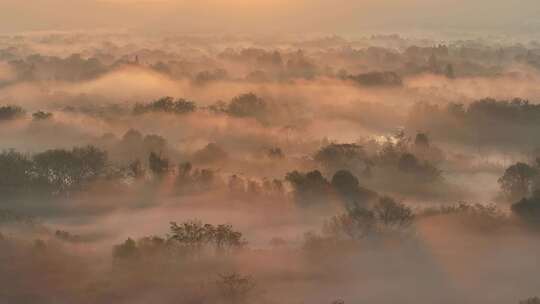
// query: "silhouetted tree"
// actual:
[[386, 216], [528, 209], [15, 174], [392, 214], [210, 153], [154, 143], [377, 79], [195, 236], [65, 170], [423, 170], [477, 215], [126, 250], [516, 182], [11, 112], [356, 224], [159, 165], [192, 234], [336, 157], [310, 189], [348, 187], [208, 76], [132, 138], [247, 105], [225, 238], [166, 105]]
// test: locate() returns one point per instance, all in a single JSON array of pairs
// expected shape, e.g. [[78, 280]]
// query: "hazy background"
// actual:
[[273, 16]]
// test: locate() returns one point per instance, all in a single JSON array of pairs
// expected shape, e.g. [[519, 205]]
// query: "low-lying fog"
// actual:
[[206, 169]]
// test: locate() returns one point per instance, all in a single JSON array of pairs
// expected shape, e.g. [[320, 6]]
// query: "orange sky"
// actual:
[[268, 15]]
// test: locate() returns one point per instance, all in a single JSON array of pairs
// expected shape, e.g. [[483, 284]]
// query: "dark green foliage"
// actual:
[[126, 250], [517, 181], [392, 214], [152, 246], [132, 137], [377, 79], [247, 105], [355, 224], [188, 239], [516, 110], [400, 158], [409, 163], [50, 172], [64, 170], [166, 105], [340, 152], [189, 179], [192, 234], [474, 210], [211, 153], [134, 145], [310, 189], [335, 157], [205, 77], [219, 107], [159, 165], [15, 174], [475, 217], [196, 235], [145, 248], [154, 143], [349, 189], [10, 112], [386, 216], [483, 122], [528, 209], [224, 237]]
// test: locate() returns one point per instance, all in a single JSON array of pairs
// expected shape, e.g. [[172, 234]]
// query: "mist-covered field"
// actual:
[[220, 168]]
